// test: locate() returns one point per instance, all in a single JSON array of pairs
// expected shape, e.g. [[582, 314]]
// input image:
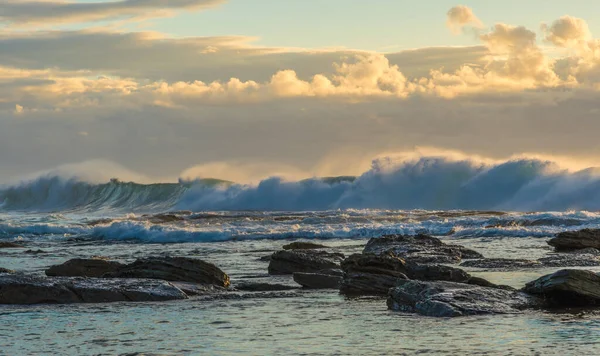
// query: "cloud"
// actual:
[[460, 16], [199, 58], [51, 12], [568, 31], [524, 59]]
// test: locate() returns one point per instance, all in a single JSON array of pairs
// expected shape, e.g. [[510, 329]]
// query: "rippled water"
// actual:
[[292, 322]]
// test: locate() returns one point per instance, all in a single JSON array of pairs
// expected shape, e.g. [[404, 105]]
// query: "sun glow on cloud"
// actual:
[[100, 83], [514, 62]]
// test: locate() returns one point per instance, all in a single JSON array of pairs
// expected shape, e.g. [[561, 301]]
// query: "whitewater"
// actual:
[[503, 209]]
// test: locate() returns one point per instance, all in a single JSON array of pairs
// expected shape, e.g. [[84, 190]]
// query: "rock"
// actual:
[[82, 267], [567, 287], [265, 258], [383, 271], [450, 299], [179, 269], [6, 271], [419, 248], [195, 289], [263, 287], [578, 259], [35, 252], [501, 263], [357, 284], [18, 289], [553, 260], [10, 245], [576, 240], [290, 261], [319, 280], [299, 245], [436, 273], [369, 274]]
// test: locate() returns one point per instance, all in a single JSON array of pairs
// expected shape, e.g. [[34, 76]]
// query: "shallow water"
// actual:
[[293, 322]]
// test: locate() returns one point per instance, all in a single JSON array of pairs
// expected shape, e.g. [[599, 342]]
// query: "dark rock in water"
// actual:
[[383, 271], [578, 259], [319, 280], [436, 273], [450, 299], [576, 240], [262, 287], [10, 245], [553, 260], [501, 263], [18, 289], [265, 258], [195, 289], [82, 267], [419, 248], [6, 271], [369, 274], [357, 284], [567, 287], [180, 269], [290, 261], [35, 252], [299, 245]]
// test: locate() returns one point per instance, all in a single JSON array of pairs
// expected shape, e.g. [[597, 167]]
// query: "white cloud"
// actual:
[[49, 12], [460, 16]]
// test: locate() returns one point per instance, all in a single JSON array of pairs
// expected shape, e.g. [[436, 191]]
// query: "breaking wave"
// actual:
[[433, 183]]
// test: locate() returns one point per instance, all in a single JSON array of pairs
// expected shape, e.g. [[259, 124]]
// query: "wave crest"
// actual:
[[433, 183]]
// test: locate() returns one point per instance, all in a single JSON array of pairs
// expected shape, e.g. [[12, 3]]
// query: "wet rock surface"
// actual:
[[263, 287], [576, 240], [300, 245], [579, 259], [290, 261], [5, 270], [180, 269], [451, 299], [567, 287], [81, 267], [501, 263], [20, 289], [326, 279], [370, 274], [420, 248]]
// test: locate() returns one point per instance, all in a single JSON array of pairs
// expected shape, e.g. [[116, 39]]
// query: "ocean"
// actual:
[[508, 210]]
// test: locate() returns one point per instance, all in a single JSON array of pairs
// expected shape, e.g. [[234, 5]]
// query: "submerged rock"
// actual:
[[180, 269], [501, 263], [553, 260], [576, 240], [19, 289], [451, 299], [290, 261], [82, 267], [370, 274], [4, 270], [419, 248], [262, 287], [578, 259], [567, 287], [300, 245], [10, 245], [326, 279]]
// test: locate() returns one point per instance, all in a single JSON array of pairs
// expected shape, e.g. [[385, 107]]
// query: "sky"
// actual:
[[241, 90]]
